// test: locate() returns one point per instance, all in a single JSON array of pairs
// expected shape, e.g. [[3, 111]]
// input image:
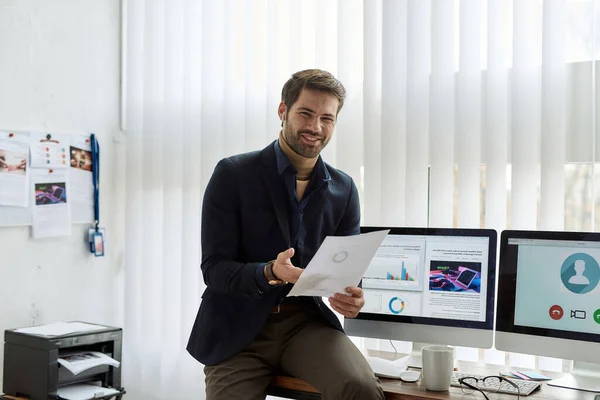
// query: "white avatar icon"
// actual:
[[578, 278]]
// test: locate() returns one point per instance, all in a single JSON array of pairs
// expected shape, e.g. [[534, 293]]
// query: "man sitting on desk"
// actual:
[[264, 216]]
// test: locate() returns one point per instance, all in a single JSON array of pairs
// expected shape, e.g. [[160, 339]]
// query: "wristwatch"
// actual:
[[273, 280]]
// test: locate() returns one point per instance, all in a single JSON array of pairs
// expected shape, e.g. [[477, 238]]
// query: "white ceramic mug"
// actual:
[[438, 366]]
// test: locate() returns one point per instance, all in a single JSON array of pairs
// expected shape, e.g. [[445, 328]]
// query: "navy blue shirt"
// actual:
[[319, 178]]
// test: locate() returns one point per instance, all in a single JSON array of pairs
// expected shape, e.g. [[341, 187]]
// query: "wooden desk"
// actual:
[[293, 388]]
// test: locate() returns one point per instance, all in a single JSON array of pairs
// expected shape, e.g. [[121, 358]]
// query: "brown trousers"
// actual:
[[304, 345]]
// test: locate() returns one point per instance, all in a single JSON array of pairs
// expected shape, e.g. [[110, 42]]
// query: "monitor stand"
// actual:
[[585, 376], [415, 359]]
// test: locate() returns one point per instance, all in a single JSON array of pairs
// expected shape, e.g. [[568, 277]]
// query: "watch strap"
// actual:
[[271, 278]]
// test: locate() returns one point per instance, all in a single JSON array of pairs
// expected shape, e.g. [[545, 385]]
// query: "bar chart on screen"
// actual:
[[393, 271]]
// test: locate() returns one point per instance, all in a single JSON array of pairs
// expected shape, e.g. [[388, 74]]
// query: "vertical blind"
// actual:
[[460, 113]]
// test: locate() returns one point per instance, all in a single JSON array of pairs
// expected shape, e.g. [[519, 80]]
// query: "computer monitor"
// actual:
[[549, 300], [430, 285]]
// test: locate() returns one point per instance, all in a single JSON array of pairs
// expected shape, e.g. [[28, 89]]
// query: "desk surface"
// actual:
[[398, 390]]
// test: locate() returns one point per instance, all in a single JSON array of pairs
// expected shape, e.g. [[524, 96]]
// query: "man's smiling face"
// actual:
[[309, 124]]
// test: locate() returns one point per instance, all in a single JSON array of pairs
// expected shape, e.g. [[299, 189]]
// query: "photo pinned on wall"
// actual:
[[14, 163], [14, 170], [50, 193], [81, 159]]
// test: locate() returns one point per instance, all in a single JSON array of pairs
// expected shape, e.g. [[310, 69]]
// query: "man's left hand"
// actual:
[[350, 304]]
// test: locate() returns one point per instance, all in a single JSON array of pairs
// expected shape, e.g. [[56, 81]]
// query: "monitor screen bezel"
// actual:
[[507, 284], [488, 324]]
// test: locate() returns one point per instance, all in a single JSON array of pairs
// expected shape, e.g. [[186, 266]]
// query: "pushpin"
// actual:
[[51, 171], [11, 134]]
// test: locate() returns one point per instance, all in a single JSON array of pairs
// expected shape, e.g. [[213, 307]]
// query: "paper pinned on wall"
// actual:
[[80, 177], [52, 208], [14, 169], [49, 150], [71, 153]]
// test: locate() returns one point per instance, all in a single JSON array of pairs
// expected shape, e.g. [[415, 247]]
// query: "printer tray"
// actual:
[[107, 397], [66, 377]]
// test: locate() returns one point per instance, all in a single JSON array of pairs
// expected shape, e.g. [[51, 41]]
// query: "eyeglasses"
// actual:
[[489, 386]]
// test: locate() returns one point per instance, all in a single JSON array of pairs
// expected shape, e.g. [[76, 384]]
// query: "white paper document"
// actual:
[[82, 361], [341, 261], [49, 150], [84, 391], [52, 207], [14, 169], [80, 177], [59, 328]]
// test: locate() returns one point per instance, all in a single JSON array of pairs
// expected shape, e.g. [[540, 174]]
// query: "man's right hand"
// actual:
[[284, 269]]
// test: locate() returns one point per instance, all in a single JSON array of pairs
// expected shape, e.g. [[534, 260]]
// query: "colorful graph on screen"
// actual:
[[402, 271], [404, 275]]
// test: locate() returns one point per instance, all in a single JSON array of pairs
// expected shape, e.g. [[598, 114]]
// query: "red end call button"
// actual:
[[556, 312]]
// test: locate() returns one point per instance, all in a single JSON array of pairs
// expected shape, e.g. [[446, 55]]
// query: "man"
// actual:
[[264, 216]]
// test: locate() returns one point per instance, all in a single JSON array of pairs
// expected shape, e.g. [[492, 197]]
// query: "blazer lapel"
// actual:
[[276, 192]]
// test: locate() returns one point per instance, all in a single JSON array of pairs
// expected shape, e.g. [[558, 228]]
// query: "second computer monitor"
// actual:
[[549, 300], [430, 285]]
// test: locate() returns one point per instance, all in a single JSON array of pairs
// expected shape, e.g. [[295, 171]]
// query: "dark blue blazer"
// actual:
[[245, 224]]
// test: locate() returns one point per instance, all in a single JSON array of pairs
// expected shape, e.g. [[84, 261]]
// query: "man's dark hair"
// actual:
[[315, 79]]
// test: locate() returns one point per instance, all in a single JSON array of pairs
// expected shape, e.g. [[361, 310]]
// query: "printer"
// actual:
[[32, 368]]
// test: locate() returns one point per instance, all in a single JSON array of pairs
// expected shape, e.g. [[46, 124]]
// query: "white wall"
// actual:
[[60, 72]]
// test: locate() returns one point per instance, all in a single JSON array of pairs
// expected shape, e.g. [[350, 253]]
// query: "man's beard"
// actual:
[[292, 138]]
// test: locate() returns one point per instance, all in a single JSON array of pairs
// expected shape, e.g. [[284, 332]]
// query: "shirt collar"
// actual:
[[283, 163]]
